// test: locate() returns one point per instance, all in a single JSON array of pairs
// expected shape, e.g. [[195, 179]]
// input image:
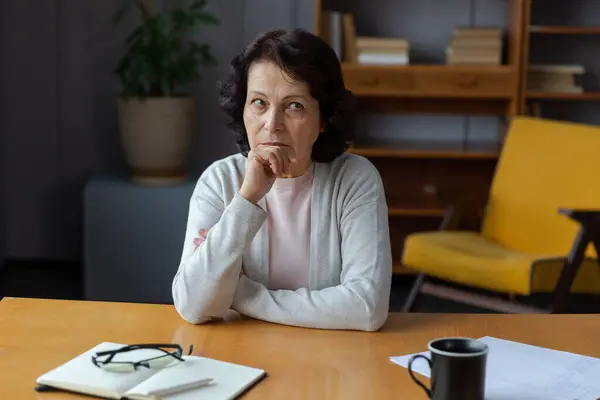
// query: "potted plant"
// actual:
[[156, 109]]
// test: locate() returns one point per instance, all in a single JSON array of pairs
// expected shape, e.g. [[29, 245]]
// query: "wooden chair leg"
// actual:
[[569, 270], [414, 293]]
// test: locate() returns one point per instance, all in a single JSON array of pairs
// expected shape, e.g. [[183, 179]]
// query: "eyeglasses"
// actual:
[[131, 357]]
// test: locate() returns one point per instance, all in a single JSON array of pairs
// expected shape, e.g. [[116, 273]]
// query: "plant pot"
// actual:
[[156, 134]]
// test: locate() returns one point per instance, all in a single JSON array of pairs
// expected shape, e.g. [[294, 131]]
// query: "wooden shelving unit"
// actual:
[[589, 96], [530, 31], [430, 81], [565, 30], [416, 212], [421, 151], [410, 170]]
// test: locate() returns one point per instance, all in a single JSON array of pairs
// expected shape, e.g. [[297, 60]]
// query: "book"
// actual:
[[481, 46], [349, 35], [382, 50], [80, 375], [557, 68], [365, 42], [383, 59], [554, 78], [488, 32], [332, 31]]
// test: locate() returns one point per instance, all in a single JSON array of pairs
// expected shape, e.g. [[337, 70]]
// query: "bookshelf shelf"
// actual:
[[565, 30], [424, 150], [498, 69], [416, 212], [430, 81], [593, 96], [399, 269], [441, 105]]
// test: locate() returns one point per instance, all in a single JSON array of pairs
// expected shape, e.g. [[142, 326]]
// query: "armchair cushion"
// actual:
[[468, 258]]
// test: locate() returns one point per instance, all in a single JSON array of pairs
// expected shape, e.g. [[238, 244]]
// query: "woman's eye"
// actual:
[[258, 102], [296, 106]]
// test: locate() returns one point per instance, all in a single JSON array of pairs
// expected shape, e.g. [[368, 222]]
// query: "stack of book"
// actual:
[[554, 78], [339, 30], [382, 50], [480, 46]]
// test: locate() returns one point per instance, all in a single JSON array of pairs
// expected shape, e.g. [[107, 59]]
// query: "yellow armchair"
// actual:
[[540, 227]]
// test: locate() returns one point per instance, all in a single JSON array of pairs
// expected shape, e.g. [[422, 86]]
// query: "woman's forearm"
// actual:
[[359, 305], [206, 280], [359, 302]]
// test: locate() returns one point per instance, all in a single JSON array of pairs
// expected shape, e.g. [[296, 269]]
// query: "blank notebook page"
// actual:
[[229, 380], [81, 371]]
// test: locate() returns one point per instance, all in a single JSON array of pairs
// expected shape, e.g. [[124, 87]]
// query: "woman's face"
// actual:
[[281, 111]]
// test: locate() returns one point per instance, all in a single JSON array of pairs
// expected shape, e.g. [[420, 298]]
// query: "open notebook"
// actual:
[[80, 375]]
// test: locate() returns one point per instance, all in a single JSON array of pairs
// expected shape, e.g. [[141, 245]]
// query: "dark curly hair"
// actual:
[[307, 58]]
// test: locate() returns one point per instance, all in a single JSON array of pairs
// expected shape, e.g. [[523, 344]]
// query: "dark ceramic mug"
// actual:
[[458, 367]]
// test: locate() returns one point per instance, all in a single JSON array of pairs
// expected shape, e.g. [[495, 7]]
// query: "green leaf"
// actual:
[[197, 5], [118, 16], [133, 36], [207, 18], [161, 56], [179, 17]]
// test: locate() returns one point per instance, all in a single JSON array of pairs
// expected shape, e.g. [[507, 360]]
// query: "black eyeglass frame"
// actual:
[[177, 354]]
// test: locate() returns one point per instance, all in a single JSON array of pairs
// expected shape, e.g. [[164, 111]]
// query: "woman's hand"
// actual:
[[265, 164]]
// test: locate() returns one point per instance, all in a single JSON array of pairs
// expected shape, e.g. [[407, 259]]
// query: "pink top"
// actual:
[[288, 208]]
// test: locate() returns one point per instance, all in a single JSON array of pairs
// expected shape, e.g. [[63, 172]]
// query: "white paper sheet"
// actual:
[[518, 371]]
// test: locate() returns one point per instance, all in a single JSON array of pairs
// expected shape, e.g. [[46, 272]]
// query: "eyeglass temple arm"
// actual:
[[141, 346]]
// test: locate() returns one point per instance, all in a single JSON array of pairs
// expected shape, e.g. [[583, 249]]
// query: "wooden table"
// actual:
[[38, 335]]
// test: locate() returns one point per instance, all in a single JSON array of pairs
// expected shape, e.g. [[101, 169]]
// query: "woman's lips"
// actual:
[[272, 144]]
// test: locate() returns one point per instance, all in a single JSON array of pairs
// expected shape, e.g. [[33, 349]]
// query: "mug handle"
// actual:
[[410, 371]]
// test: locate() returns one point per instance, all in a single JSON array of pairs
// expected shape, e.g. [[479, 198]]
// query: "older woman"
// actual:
[[291, 230]]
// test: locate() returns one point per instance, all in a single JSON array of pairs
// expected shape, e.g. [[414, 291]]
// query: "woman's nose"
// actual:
[[274, 121]]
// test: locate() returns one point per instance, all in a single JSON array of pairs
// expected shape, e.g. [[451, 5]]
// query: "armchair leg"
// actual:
[[414, 292], [596, 242], [569, 270]]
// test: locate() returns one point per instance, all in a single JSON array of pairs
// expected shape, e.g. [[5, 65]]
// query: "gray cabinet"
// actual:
[[133, 237]]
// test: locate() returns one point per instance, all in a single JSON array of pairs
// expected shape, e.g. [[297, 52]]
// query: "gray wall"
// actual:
[[3, 229], [60, 121]]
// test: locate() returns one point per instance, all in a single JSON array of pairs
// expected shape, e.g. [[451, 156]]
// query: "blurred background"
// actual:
[[90, 208]]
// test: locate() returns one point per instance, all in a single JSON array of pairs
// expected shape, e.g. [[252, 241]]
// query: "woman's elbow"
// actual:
[[375, 315], [185, 307], [374, 320], [189, 313]]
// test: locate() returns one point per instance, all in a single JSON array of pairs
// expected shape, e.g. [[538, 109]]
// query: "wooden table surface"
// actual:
[[38, 335]]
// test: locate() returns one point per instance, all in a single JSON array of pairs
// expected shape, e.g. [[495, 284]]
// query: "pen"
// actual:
[[180, 387]]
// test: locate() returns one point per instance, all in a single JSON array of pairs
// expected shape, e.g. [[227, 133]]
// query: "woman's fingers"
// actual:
[[261, 159], [284, 162], [291, 154], [271, 158], [277, 158], [275, 163]]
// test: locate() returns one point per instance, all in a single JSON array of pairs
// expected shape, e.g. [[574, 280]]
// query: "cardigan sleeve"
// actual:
[[206, 280], [359, 302]]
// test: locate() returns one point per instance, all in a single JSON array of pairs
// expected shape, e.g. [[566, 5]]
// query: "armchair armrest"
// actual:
[[589, 231], [589, 218]]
